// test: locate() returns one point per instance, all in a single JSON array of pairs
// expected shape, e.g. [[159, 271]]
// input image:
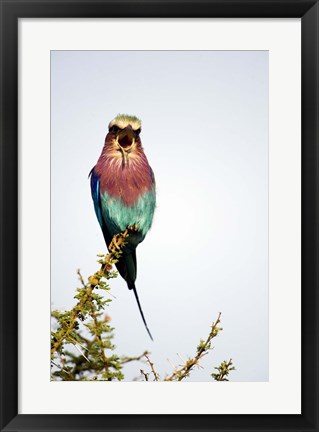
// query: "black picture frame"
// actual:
[[11, 11]]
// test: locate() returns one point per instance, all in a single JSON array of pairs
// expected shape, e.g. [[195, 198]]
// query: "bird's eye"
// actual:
[[114, 129], [138, 131]]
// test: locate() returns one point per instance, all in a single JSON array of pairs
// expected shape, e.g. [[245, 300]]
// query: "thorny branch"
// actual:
[[152, 367], [202, 350], [93, 363], [138, 358], [223, 370], [144, 374], [85, 302]]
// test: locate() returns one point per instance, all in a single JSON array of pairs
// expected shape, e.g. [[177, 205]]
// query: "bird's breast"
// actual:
[[127, 195], [119, 215], [127, 181]]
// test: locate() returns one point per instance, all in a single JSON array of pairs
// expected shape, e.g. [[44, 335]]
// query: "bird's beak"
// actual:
[[126, 138]]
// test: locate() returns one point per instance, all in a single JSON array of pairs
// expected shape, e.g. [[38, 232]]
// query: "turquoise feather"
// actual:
[[118, 216]]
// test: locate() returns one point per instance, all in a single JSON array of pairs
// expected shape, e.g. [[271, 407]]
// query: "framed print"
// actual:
[[197, 126]]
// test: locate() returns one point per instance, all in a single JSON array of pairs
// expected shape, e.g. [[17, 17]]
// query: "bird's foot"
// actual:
[[117, 243], [133, 227]]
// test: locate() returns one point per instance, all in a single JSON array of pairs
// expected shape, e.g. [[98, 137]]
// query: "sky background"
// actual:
[[205, 133]]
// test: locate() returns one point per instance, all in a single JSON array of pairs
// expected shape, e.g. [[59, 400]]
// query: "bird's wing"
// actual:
[[127, 264], [95, 191], [152, 177]]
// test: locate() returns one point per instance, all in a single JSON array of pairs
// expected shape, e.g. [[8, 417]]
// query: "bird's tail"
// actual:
[[131, 286]]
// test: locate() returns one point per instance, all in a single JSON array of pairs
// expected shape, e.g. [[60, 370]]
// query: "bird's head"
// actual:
[[124, 135]]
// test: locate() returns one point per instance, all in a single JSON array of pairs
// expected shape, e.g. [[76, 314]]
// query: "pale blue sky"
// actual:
[[205, 133]]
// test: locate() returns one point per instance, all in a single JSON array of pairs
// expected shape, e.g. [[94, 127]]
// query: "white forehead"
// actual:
[[123, 123]]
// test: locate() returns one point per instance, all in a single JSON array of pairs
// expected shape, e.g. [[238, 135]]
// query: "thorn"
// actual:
[[171, 363], [82, 353], [76, 342], [181, 358]]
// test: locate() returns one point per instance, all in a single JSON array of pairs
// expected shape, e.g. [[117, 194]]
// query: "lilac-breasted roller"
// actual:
[[123, 192]]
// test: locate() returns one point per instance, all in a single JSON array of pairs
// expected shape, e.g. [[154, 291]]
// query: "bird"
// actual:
[[123, 190]]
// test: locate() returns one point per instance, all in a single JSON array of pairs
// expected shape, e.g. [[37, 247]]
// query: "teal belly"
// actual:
[[119, 216]]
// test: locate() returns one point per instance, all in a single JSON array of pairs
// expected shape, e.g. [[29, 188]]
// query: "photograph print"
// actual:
[[159, 216]]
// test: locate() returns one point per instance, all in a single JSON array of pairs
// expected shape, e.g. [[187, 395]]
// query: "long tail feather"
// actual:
[[140, 309]]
